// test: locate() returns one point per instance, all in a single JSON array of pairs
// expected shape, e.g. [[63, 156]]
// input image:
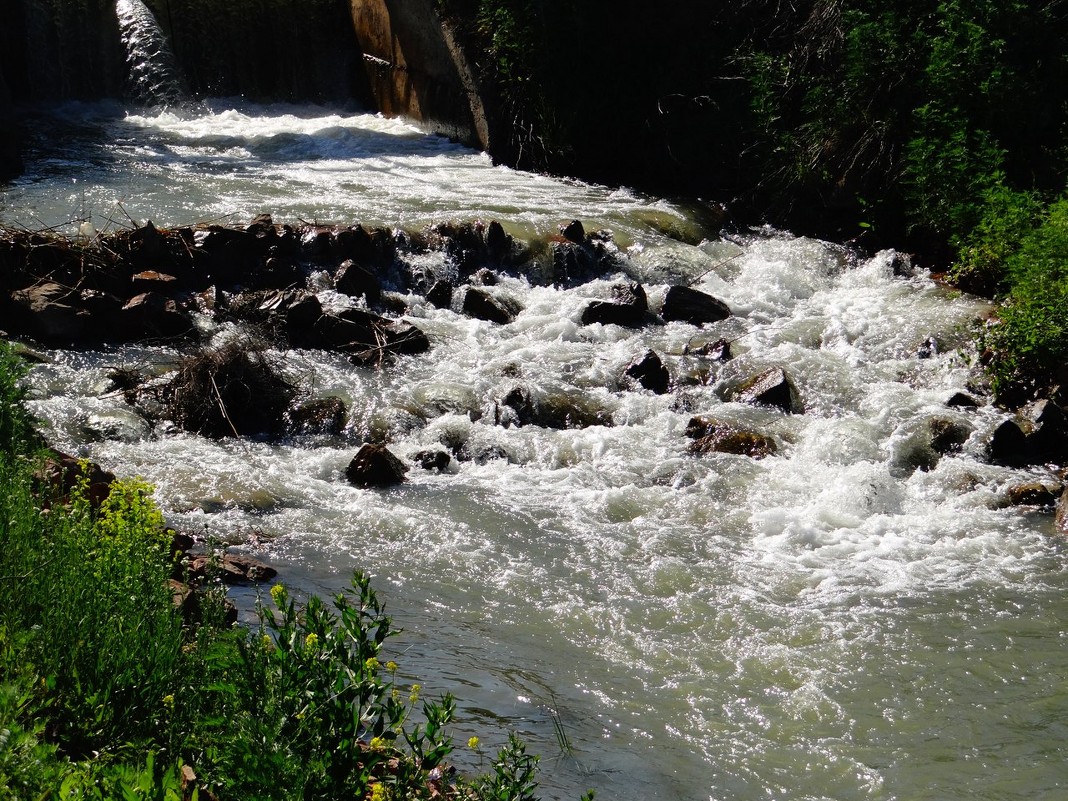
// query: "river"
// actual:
[[851, 618]]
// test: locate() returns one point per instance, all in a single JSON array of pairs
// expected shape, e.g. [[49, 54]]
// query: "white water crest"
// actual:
[[851, 618], [153, 76]]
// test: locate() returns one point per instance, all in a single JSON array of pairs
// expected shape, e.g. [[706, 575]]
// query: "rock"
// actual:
[[1047, 442], [231, 569], [718, 351], [375, 466], [773, 387], [947, 436], [485, 277], [49, 312], [559, 411], [440, 295], [713, 436], [353, 280], [368, 337], [1008, 445], [962, 400], [574, 232], [1033, 494], [649, 371], [692, 306], [629, 308], [1061, 519], [319, 416], [498, 243], [150, 315], [432, 459], [483, 306], [61, 473]]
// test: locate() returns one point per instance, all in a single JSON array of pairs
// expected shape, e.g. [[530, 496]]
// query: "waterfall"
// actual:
[[153, 76]]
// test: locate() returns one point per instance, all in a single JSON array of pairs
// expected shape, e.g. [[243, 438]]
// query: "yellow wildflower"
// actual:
[[391, 666], [378, 792], [267, 642], [414, 696], [473, 743], [278, 592], [371, 665], [168, 701], [311, 640], [377, 744]]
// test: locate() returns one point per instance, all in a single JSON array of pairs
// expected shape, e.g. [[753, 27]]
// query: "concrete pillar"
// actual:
[[416, 69]]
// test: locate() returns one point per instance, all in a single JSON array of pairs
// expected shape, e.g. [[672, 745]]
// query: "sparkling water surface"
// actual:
[[831, 622]]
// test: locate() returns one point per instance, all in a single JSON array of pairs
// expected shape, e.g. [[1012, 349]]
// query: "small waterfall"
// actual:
[[153, 76]]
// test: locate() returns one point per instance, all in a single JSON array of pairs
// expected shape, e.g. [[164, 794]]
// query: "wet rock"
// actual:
[[485, 277], [230, 569], [628, 309], [375, 466], [353, 280], [575, 263], [574, 232], [1047, 442], [495, 309], [718, 351], [558, 411], [1008, 445], [432, 459], [962, 400], [440, 295], [692, 306], [499, 244], [319, 416], [151, 315], [773, 387], [649, 371], [368, 337], [1060, 521], [228, 255], [1033, 494], [948, 436], [713, 436]]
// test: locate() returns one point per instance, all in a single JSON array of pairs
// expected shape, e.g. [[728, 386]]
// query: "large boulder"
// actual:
[[375, 466], [1008, 445], [1047, 440], [693, 306], [773, 387], [50, 312]]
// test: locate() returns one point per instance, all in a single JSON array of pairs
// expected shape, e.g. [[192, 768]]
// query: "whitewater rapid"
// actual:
[[851, 618]]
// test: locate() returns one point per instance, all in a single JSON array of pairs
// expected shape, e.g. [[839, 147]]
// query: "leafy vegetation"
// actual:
[[107, 691]]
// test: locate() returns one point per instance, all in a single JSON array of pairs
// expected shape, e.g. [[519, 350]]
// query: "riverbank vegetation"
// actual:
[[108, 690], [936, 126]]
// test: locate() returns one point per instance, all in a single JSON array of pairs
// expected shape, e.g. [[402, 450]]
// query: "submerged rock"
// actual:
[[375, 466], [1033, 494], [352, 279], [432, 459], [713, 436], [319, 416]]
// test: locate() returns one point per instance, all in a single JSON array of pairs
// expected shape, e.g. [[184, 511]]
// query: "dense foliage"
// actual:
[[109, 690]]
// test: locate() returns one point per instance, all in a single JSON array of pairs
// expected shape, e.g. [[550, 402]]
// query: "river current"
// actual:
[[852, 618]]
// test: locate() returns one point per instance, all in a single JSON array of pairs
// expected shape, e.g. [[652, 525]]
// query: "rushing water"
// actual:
[[826, 623]]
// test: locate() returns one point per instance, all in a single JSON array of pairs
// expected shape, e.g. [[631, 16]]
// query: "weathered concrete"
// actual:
[[417, 70]]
